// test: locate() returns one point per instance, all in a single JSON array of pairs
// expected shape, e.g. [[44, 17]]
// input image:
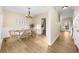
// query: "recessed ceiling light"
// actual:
[[64, 7]]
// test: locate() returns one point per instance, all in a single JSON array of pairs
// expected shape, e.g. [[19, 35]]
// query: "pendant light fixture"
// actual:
[[28, 16]]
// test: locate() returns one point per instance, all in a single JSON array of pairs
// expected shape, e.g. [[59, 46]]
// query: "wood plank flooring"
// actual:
[[39, 44], [64, 44]]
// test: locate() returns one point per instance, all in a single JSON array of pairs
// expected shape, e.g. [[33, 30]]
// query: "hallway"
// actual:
[[64, 44]]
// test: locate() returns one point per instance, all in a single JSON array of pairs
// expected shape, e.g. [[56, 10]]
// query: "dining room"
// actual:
[[20, 23], [29, 28]]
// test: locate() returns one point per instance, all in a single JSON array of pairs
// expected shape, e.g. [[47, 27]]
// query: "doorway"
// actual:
[[43, 26]]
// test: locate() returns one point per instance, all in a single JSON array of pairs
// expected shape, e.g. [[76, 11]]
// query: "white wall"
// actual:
[[14, 19], [37, 22], [75, 32], [1, 24], [53, 25], [76, 27]]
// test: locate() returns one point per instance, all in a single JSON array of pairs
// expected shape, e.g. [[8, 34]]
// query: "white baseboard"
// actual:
[[49, 44]]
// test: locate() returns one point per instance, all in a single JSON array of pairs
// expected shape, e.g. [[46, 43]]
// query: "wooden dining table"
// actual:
[[16, 32], [20, 33]]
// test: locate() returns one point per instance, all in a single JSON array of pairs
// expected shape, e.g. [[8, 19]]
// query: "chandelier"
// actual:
[[28, 16]]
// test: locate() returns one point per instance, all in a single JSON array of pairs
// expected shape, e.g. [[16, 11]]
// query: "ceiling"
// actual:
[[35, 10], [65, 12]]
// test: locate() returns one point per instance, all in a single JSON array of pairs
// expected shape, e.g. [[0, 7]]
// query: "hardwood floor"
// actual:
[[39, 44], [64, 43]]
